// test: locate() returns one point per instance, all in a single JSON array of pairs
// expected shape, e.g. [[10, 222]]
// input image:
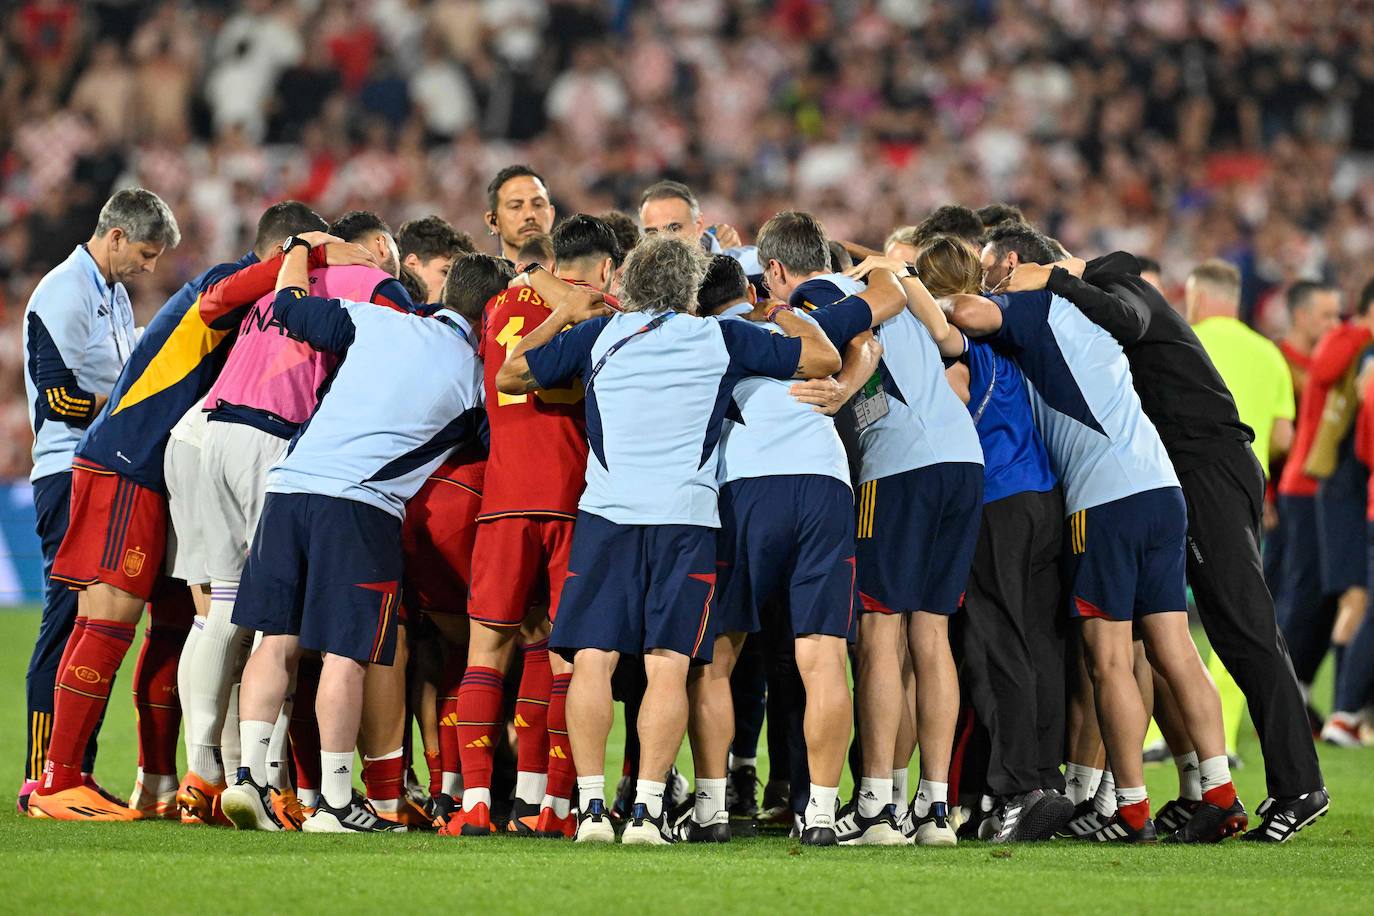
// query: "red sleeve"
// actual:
[[1333, 354], [241, 289]]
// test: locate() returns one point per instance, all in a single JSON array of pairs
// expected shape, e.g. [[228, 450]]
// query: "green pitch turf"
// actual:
[[164, 868]]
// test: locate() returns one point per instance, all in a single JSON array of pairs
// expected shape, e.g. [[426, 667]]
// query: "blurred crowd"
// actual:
[[1177, 129]]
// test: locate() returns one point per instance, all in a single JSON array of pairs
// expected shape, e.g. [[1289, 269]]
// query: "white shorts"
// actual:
[[234, 462], [185, 510]]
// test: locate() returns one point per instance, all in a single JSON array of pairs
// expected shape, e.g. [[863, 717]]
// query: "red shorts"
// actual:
[[439, 530], [507, 562], [117, 533]]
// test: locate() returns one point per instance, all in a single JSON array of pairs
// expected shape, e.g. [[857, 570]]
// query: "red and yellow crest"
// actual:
[[133, 562]]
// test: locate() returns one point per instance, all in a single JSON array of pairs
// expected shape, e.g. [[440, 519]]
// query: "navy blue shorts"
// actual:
[[1341, 523], [1126, 557], [327, 570], [632, 588], [917, 533], [791, 537]]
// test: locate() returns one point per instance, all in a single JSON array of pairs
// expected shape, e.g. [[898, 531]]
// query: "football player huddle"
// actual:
[[379, 489]]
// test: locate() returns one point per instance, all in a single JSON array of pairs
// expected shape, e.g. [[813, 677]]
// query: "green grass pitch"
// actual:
[[150, 868]]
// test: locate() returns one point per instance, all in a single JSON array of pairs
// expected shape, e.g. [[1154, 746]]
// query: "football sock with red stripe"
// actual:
[[479, 716], [382, 778], [83, 691], [304, 731], [1133, 806], [562, 773], [155, 679], [449, 761], [1217, 788], [532, 712], [78, 628]]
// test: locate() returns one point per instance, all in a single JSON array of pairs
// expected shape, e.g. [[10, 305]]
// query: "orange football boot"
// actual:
[[410, 816], [476, 822], [79, 803], [288, 808], [152, 806], [198, 801], [523, 818], [551, 826]]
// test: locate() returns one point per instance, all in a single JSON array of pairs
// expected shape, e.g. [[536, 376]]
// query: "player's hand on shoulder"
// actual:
[[316, 238], [825, 395], [342, 254], [581, 303], [762, 308], [875, 262]]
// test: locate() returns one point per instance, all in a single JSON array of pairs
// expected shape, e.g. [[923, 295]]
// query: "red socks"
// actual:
[[155, 679], [532, 710], [436, 772], [83, 691], [1135, 814], [303, 728], [479, 716], [449, 756], [78, 628], [382, 778], [562, 773], [1223, 796]]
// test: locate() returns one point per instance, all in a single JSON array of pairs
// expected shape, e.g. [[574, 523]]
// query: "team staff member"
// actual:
[[1257, 376], [325, 565], [519, 209], [643, 561], [78, 332], [1223, 488]]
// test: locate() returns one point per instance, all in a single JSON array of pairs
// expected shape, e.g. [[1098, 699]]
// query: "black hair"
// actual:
[[994, 215], [583, 236], [725, 283], [505, 175], [667, 189], [472, 281], [432, 237], [950, 219], [355, 225], [840, 261], [1148, 265], [283, 220], [415, 287], [1030, 246], [1303, 290], [625, 228]]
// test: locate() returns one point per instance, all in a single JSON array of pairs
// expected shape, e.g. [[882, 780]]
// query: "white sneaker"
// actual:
[[595, 826], [934, 829], [358, 817], [643, 829], [880, 830], [249, 806], [1342, 730]]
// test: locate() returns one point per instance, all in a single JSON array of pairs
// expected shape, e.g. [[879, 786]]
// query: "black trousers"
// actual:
[[1225, 508], [1013, 638]]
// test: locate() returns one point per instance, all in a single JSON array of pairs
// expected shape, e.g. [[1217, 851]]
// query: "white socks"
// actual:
[[1080, 782], [1131, 795], [451, 784], [1189, 776], [927, 794], [474, 797], [737, 762], [1104, 801], [207, 663], [589, 789], [253, 739], [1215, 771], [875, 794], [529, 787], [559, 806], [336, 778], [899, 788], [820, 809], [157, 784], [278, 748], [709, 800], [650, 794]]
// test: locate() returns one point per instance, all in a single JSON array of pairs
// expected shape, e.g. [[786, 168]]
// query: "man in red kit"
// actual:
[[1313, 310], [535, 474]]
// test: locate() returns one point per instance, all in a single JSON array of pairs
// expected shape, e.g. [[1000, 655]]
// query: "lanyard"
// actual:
[[591, 376], [987, 396]]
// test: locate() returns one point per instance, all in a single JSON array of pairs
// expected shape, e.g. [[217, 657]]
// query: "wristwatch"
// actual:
[[294, 241], [531, 267]]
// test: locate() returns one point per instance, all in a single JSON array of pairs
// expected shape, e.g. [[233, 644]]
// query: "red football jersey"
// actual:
[[538, 455]]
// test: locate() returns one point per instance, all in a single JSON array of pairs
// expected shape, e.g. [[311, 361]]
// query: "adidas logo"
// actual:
[[556, 752], [341, 771], [484, 741], [449, 720], [520, 721], [867, 794], [264, 741]]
